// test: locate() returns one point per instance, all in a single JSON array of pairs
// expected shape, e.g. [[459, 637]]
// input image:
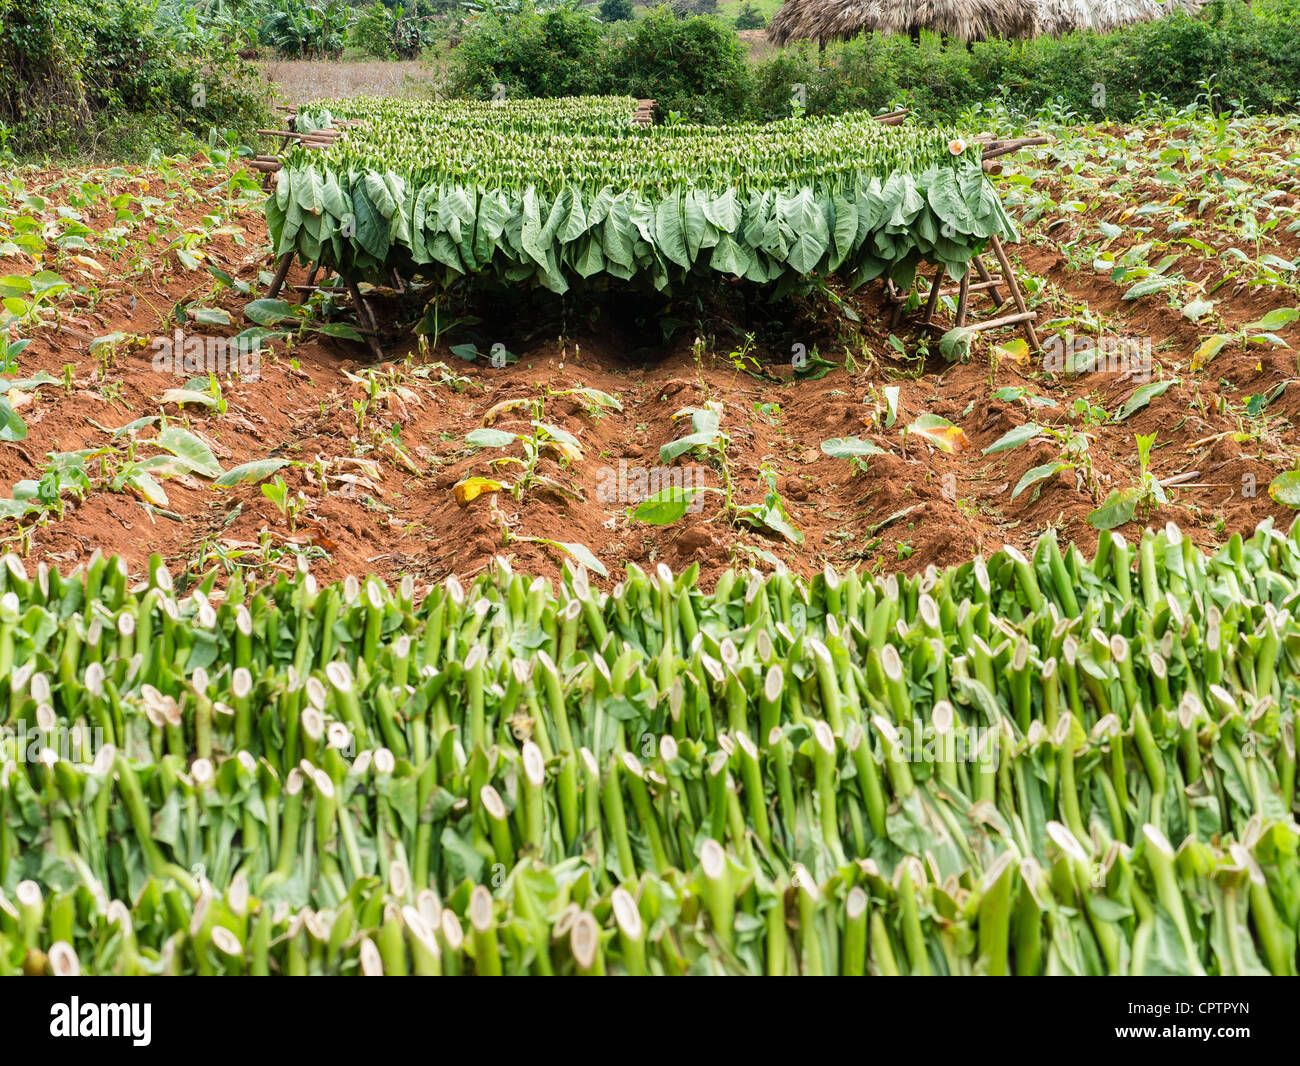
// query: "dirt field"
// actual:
[[375, 451]]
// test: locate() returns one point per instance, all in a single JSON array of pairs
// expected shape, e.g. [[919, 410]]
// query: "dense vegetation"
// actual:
[[111, 77], [139, 75], [1240, 56]]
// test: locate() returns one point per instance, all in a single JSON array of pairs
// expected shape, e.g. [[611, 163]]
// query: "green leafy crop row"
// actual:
[[522, 192], [1028, 765]]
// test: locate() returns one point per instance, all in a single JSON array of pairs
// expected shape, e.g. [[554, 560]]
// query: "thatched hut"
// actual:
[[824, 21]]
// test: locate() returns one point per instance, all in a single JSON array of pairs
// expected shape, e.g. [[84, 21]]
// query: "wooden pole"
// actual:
[[989, 283], [367, 318], [281, 272], [933, 301], [1017, 296]]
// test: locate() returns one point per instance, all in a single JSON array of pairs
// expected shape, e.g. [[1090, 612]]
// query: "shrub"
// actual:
[[107, 77], [1233, 54], [559, 53], [616, 10], [373, 31], [695, 66], [750, 18]]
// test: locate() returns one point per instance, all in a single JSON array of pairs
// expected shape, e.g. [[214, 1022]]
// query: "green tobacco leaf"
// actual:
[[580, 552], [250, 473], [557, 433], [41, 377], [268, 312], [184, 396], [1037, 474], [955, 344], [673, 449], [770, 515], [1116, 511], [337, 329], [665, 507], [1285, 488], [848, 447], [210, 316], [12, 427], [1142, 396], [1014, 438], [489, 438], [15, 508], [187, 447], [116, 337], [1146, 287], [1275, 319], [601, 399]]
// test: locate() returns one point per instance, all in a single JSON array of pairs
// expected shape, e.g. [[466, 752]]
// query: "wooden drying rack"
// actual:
[[644, 116], [988, 283], [315, 140]]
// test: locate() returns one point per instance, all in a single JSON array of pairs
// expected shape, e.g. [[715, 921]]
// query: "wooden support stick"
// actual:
[[1017, 297], [898, 299], [979, 286], [1006, 320], [933, 301], [303, 290], [998, 148], [367, 316], [963, 294], [281, 272], [988, 283]]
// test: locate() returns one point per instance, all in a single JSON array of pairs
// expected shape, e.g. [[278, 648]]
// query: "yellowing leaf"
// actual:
[[1208, 350], [1285, 488], [490, 415], [1017, 351], [86, 261], [563, 449], [941, 433], [472, 487]]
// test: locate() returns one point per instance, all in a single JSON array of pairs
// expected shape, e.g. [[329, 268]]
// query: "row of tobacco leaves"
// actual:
[[1032, 765]]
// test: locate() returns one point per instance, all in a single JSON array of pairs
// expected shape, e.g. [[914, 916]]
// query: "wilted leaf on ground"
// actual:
[[940, 432], [471, 488]]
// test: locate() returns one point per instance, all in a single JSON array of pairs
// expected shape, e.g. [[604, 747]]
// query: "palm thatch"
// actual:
[[1110, 15], [963, 20], [1056, 17]]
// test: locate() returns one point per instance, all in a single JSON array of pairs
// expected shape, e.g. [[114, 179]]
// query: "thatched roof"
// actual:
[[1110, 15], [1056, 17], [1061, 16], [963, 20]]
